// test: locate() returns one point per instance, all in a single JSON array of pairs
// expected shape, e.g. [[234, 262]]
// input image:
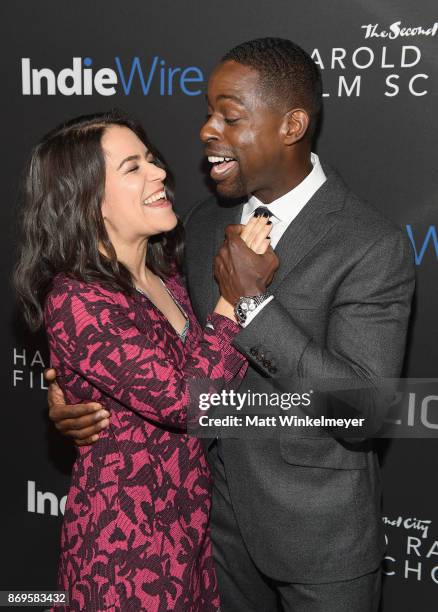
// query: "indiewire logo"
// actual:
[[420, 245], [44, 502], [82, 80]]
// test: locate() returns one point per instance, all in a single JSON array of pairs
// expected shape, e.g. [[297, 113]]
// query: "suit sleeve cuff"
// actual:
[[256, 311]]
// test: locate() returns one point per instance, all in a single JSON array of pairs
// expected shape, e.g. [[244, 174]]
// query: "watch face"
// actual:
[[241, 311], [246, 305]]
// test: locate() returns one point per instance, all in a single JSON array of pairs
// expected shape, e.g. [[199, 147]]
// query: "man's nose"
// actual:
[[209, 131]]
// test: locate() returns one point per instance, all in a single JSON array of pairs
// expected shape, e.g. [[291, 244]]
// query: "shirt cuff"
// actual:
[[251, 315]]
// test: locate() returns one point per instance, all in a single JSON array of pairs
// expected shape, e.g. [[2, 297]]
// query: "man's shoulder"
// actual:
[[358, 217], [211, 209], [202, 209], [362, 214]]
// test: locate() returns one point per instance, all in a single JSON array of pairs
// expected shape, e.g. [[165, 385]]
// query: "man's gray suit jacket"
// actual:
[[308, 507]]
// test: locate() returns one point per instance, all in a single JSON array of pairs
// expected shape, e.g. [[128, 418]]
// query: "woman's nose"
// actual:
[[156, 173]]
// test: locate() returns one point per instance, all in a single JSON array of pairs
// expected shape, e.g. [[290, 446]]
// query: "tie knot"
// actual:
[[262, 211]]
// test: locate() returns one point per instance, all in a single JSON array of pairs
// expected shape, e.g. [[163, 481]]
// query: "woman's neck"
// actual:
[[133, 257]]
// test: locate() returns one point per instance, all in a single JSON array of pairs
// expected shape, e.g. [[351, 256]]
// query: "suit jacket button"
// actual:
[[267, 363]]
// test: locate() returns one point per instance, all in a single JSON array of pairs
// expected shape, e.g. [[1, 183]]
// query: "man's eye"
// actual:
[[230, 121]]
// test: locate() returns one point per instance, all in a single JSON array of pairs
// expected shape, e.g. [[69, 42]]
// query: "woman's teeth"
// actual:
[[154, 198]]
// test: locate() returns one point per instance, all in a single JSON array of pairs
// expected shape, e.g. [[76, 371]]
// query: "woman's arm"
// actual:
[[94, 336]]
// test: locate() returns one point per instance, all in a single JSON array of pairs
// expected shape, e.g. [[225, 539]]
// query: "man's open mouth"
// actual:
[[222, 166]]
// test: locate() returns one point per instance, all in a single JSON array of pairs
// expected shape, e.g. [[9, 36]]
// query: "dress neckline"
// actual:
[[183, 334]]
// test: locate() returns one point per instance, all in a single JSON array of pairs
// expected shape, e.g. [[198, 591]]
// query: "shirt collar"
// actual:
[[286, 207]]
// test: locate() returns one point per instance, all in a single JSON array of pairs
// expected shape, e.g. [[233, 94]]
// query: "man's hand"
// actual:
[[82, 422], [241, 272]]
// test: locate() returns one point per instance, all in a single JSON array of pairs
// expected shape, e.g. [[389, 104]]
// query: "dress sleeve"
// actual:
[[95, 336]]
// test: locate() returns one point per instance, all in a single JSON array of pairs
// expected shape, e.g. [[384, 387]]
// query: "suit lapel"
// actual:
[[309, 226]]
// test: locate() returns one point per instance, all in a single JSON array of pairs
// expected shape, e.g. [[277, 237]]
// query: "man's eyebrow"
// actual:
[[130, 158], [230, 97]]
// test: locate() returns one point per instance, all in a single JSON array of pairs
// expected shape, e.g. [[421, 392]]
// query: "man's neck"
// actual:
[[289, 181]]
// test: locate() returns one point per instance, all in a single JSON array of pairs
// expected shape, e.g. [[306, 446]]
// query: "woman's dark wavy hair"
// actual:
[[62, 224]]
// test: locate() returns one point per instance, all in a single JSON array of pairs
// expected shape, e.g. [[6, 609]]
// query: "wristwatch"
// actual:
[[245, 305]]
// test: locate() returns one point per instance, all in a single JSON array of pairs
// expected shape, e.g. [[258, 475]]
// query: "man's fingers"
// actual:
[[87, 441], [55, 394], [274, 263], [218, 263], [86, 432], [223, 261], [56, 400], [233, 230], [271, 253], [50, 375], [77, 410], [90, 420]]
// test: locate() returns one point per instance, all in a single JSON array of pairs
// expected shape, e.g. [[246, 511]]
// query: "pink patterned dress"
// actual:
[[135, 534]]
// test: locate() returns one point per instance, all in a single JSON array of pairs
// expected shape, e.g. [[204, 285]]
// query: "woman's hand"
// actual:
[[255, 234]]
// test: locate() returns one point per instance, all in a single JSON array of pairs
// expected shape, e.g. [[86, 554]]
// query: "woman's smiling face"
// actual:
[[135, 204]]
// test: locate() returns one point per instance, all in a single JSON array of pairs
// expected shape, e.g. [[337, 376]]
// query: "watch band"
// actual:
[[247, 304]]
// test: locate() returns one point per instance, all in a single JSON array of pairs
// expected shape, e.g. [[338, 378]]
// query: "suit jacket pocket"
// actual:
[[322, 452]]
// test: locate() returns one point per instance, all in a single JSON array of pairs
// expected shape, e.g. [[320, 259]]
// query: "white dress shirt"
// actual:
[[284, 210]]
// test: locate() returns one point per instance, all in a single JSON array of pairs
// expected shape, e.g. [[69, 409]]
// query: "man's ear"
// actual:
[[295, 125]]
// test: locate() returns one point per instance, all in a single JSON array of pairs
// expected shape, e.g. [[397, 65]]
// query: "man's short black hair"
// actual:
[[288, 75]]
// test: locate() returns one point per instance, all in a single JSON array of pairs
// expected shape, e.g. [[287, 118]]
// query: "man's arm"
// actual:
[[366, 332], [81, 422]]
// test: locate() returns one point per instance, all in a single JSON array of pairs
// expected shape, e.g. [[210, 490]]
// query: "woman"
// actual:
[[99, 266]]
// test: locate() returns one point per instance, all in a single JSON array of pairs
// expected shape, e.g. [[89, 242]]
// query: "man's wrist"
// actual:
[[252, 292], [253, 315], [247, 304]]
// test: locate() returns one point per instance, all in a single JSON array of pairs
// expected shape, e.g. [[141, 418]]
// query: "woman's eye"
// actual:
[[133, 169]]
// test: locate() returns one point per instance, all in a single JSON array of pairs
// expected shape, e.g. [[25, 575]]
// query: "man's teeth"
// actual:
[[154, 198], [219, 160]]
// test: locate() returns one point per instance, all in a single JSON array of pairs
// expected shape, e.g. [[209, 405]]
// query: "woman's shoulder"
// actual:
[[66, 289], [176, 279], [176, 282]]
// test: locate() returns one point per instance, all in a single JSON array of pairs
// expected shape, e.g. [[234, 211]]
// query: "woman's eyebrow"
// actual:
[[129, 158]]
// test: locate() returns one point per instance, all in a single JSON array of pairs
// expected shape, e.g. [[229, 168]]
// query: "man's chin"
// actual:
[[230, 191]]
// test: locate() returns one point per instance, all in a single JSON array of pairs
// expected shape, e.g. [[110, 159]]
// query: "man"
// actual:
[[295, 522]]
